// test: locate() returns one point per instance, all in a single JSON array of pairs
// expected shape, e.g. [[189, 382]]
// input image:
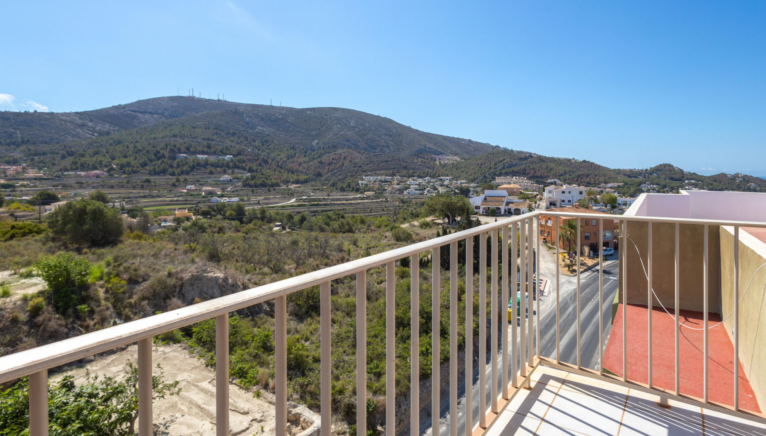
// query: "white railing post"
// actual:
[[390, 349], [325, 321], [514, 307], [280, 364], [415, 345], [452, 339], [222, 375], [537, 286], [736, 318], [469, 336], [483, 330], [601, 296], [624, 250], [504, 311], [705, 310], [493, 321], [435, 340], [579, 248], [531, 296], [650, 303], [361, 353], [555, 220], [523, 302], [678, 306], [38, 403], [145, 417]]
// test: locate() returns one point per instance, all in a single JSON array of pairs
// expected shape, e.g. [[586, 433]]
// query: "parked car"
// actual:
[[608, 251]]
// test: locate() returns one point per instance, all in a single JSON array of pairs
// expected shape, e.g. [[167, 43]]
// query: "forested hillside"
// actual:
[[279, 145]]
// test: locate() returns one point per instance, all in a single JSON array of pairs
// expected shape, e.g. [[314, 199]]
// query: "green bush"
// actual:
[[10, 231], [86, 222], [66, 276], [5, 291], [401, 235], [36, 306], [99, 407]]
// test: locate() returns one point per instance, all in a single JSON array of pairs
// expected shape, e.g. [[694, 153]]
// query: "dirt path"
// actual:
[[193, 411], [20, 286]]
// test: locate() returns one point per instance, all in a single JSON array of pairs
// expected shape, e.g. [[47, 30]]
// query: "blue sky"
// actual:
[[622, 83]]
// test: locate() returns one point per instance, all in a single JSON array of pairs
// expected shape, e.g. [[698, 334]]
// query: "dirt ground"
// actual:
[[192, 412], [21, 286]]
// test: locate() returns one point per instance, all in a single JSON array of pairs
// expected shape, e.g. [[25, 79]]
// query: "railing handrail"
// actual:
[[58, 353]]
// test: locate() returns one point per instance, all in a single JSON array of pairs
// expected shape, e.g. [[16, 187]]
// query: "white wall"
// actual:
[[714, 205]]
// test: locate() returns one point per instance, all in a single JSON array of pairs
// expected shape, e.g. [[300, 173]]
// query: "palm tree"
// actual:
[[568, 232], [591, 195]]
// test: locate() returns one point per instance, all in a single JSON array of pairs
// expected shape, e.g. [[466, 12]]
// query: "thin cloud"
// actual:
[[32, 105], [6, 100]]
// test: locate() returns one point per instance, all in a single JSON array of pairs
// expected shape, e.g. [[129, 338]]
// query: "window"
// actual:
[[587, 236], [593, 223], [607, 235], [580, 192]]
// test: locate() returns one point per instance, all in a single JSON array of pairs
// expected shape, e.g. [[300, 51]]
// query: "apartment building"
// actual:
[[589, 229], [562, 196]]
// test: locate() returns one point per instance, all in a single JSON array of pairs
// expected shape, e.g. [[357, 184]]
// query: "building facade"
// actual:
[[589, 229]]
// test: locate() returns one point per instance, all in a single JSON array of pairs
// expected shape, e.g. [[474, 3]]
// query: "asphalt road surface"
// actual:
[[568, 331]]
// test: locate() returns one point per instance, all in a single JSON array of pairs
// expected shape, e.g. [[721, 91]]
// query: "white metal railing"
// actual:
[[518, 233]]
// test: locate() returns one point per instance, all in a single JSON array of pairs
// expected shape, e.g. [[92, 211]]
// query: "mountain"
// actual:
[[287, 145]]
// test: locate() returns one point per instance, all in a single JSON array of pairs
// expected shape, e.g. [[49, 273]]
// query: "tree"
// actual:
[[447, 206], [99, 196], [568, 232], [43, 197], [591, 195], [86, 222], [66, 276], [609, 200], [99, 407], [2, 200], [401, 235]]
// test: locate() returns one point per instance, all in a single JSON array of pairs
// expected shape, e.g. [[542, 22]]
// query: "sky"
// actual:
[[626, 84]]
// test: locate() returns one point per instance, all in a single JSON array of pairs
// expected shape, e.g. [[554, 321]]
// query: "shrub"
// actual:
[[43, 198], [66, 276], [36, 306], [10, 231], [401, 235], [99, 196], [5, 291], [86, 222]]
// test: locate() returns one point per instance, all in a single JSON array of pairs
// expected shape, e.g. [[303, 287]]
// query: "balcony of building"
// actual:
[[575, 361]]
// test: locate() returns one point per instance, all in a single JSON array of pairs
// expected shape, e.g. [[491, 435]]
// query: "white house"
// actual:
[[190, 187], [230, 200], [563, 196], [215, 200], [626, 201], [500, 201], [226, 178]]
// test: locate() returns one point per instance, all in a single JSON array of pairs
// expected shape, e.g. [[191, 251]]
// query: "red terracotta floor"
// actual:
[[691, 346]]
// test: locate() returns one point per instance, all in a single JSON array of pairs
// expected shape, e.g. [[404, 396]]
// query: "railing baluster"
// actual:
[[502, 307], [578, 294], [678, 306], [325, 327], [221, 375], [493, 320], [390, 349], [145, 417], [523, 302], [514, 307], [705, 309], [483, 330], [361, 353], [280, 363], [736, 318], [531, 296], [650, 303], [452, 339], [469, 336], [624, 250], [38, 403], [601, 296], [415, 345], [537, 286], [558, 291], [435, 340]]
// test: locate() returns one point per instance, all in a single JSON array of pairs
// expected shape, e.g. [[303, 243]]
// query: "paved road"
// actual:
[[568, 332]]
